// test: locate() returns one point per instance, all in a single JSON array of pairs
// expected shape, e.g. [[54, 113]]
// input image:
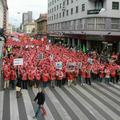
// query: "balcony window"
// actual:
[[115, 5], [98, 4]]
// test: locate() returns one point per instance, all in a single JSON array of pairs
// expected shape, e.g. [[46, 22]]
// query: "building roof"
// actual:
[[42, 17]]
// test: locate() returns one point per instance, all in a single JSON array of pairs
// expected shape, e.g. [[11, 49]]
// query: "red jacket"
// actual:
[[13, 75]]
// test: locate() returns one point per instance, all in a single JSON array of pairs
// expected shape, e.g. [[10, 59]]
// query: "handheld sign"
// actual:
[[59, 65], [71, 66], [41, 56], [18, 61], [51, 57]]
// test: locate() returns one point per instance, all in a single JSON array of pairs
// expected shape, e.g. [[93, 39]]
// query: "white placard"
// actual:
[[51, 57], [59, 65], [47, 47], [18, 61]]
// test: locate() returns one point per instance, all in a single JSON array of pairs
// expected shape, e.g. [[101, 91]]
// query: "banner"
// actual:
[[18, 61]]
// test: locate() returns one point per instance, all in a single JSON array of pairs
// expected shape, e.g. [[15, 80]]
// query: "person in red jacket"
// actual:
[[107, 75], [6, 75], [70, 78], [52, 78], [24, 79], [45, 78], [13, 77], [59, 75], [37, 78], [88, 74]]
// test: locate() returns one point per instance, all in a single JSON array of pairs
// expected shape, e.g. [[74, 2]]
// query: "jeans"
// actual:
[[37, 110]]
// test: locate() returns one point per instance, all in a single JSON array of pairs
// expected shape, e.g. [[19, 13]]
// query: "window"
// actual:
[[71, 11], [100, 23], [67, 2], [63, 14], [115, 5], [98, 4], [67, 13], [76, 9], [83, 7], [59, 15], [90, 23], [115, 23]]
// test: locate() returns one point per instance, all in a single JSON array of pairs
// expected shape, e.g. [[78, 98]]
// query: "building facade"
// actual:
[[41, 24], [27, 17], [3, 14], [29, 28], [87, 23]]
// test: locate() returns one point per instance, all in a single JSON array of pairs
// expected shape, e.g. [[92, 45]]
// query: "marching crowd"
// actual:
[[45, 63]]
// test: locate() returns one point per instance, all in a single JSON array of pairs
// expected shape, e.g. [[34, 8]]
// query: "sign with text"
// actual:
[[59, 65], [18, 61], [70, 66], [41, 56]]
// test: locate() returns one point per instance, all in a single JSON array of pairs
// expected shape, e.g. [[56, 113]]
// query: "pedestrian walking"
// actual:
[[40, 98]]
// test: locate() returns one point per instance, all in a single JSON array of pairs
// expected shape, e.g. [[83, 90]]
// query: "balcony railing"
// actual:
[[95, 11]]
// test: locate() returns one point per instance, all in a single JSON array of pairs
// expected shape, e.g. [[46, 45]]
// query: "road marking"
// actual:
[[64, 115], [28, 105], [1, 104]]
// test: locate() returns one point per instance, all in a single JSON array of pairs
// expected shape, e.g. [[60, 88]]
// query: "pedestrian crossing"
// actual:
[[96, 102]]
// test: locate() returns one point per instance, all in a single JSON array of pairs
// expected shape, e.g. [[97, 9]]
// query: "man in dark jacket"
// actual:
[[40, 98]]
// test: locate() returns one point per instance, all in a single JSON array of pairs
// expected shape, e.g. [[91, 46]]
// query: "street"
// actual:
[[96, 102]]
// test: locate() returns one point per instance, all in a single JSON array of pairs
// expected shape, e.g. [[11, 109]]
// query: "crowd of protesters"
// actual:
[[39, 65]]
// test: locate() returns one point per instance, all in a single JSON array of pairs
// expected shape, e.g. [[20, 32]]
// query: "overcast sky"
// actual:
[[20, 6]]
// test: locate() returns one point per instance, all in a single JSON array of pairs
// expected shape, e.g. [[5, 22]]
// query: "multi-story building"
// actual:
[[3, 14], [87, 23], [41, 24], [29, 28], [27, 17]]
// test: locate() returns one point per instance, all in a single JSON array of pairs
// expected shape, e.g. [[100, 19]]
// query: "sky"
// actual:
[[17, 7]]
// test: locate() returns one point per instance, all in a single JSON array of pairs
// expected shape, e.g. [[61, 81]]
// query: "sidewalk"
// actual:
[[1, 44]]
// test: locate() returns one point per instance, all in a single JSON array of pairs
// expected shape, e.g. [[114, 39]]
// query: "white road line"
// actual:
[[28, 105], [14, 114], [1, 104], [100, 104], [106, 91], [62, 112], [112, 103], [93, 111], [72, 105]]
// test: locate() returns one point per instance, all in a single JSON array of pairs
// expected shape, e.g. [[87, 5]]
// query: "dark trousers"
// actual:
[[88, 81], [59, 83], [24, 84]]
